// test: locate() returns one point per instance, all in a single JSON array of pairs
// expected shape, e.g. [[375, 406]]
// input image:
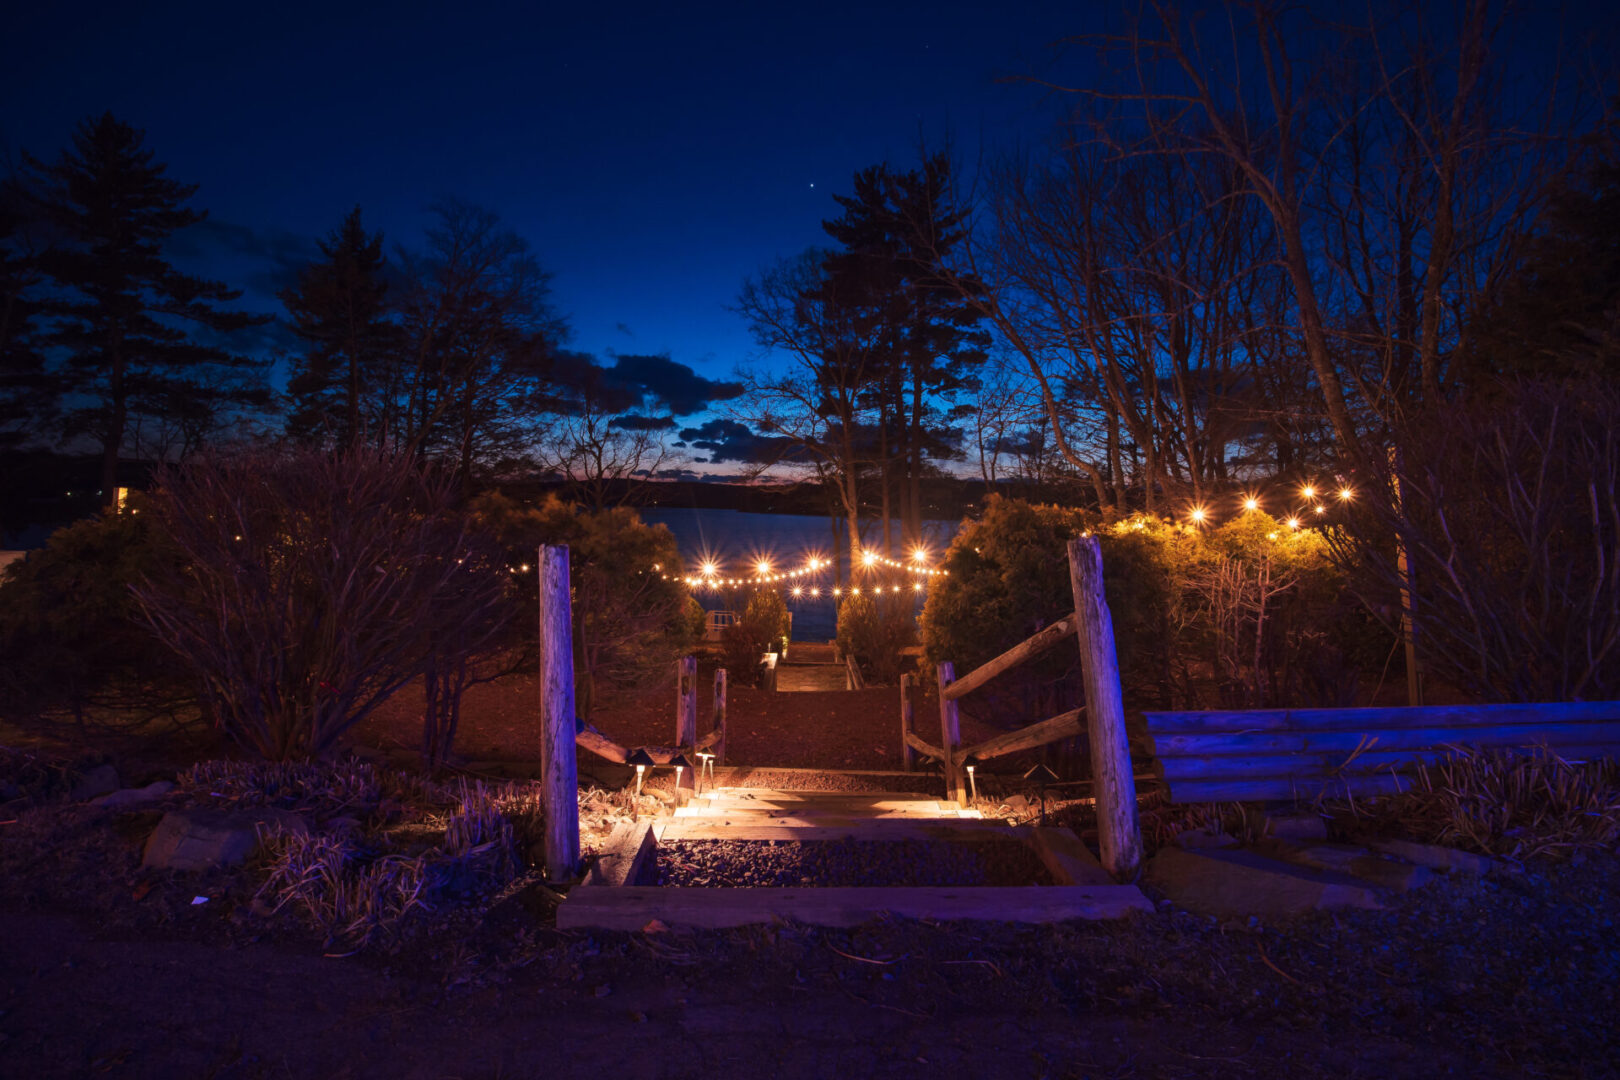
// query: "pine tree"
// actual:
[[896, 232], [340, 307], [26, 402], [120, 316]]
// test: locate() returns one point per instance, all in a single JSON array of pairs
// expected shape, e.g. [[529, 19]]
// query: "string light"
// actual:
[[1345, 494], [1198, 514], [1251, 503], [1308, 491], [1293, 523]]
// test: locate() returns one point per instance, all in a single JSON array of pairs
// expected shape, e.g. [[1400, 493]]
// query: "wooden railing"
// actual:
[[1091, 627]]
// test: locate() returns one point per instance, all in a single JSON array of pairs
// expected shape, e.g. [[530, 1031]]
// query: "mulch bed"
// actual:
[[832, 863]]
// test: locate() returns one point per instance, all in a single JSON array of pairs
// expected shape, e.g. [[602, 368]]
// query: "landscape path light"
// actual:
[[641, 760], [973, 784], [705, 766], [1042, 776], [680, 764]]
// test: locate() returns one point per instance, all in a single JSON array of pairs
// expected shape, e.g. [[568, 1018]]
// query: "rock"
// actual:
[[1234, 882], [1018, 804], [1296, 827], [97, 781], [1445, 860], [1193, 839], [1391, 874], [129, 798], [208, 839]]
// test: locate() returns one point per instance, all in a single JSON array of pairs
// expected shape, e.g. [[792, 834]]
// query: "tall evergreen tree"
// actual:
[[340, 308], [26, 403], [896, 232], [121, 317]]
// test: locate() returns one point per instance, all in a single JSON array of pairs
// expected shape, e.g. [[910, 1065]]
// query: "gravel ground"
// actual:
[[829, 863]]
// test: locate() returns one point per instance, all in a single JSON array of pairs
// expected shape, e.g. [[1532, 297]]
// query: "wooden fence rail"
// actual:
[[1305, 753], [1091, 627]]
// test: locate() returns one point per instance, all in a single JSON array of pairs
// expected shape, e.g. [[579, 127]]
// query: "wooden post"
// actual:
[[950, 733], [908, 755], [560, 790], [686, 703], [719, 747], [1118, 832]]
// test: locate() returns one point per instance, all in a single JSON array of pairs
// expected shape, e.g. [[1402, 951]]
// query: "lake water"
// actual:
[[737, 541]]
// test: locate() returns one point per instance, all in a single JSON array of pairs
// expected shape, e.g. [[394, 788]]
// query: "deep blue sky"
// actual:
[[653, 155]]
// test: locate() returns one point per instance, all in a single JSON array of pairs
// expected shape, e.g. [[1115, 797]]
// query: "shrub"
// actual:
[[761, 627], [314, 585], [874, 631], [73, 643], [631, 612]]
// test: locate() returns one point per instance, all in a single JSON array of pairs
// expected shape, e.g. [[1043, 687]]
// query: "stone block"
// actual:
[[1235, 882], [1442, 859], [1193, 839], [209, 839], [131, 798], [100, 780]]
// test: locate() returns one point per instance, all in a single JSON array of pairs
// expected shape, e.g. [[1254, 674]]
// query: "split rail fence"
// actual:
[[1102, 719]]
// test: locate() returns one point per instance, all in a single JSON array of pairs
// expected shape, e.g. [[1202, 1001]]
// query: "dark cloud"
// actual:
[[680, 388], [727, 440], [635, 382], [632, 422]]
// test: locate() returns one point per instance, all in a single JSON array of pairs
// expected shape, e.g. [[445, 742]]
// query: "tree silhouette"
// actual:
[[340, 308], [121, 318]]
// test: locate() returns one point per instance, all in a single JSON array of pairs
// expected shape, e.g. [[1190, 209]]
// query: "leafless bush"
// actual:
[[1510, 513], [336, 889], [314, 585]]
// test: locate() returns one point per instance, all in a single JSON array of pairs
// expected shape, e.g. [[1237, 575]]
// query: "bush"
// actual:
[[632, 615], [761, 627], [1247, 614], [313, 586], [874, 631], [73, 643]]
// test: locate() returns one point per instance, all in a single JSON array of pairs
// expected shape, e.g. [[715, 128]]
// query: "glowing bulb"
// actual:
[[709, 569], [868, 558], [1308, 491], [763, 567], [797, 591], [1293, 523], [1251, 503], [919, 555], [1197, 514], [838, 592], [856, 591], [917, 587], [1321, 509], [815, 592], [1345, 494]]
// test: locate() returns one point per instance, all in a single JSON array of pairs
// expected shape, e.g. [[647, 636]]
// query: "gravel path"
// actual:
[[828, 863]]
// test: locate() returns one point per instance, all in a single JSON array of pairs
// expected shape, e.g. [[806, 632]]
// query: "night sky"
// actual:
[[653, 155]]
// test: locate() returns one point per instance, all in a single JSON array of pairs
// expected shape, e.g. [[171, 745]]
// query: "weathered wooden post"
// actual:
[[1113, 782], [908, 756], [950, 733], [719, 747], [560, 790], [686, 703]]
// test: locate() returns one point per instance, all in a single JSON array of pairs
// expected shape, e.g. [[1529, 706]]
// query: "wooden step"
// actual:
[[760, 817], [781, 795], [918, 806]]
